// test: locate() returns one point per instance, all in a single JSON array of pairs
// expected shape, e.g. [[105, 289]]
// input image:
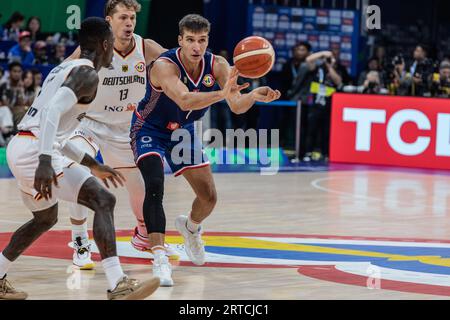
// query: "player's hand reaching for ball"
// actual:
[[231, 87], [265, 94], [106, 173]]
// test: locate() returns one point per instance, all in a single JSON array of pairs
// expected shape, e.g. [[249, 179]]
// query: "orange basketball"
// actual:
[[254, 57]]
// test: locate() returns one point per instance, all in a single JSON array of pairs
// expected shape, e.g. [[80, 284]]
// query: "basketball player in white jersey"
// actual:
[[37, 158], [106, 125]]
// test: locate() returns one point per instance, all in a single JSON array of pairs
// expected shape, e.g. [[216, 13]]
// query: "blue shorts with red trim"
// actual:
[[182, 149]]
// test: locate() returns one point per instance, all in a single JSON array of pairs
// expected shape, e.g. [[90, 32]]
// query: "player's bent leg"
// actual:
[[78, 185], [202, 182], [42, 221], [136, 195], [136, 192], [153, 173], [78, 214]]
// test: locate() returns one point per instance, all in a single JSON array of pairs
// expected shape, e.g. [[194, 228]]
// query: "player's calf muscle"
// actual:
[[29, 232]]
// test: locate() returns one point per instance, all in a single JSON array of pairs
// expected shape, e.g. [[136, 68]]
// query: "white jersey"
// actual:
[[68, 121], [121, 87]]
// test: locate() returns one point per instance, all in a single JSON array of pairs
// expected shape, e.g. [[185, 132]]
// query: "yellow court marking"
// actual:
[[247, 243]]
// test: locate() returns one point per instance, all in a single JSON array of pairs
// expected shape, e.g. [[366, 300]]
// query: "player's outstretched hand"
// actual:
[[231, 87], [106, 173], [45, 176], [265, 94]]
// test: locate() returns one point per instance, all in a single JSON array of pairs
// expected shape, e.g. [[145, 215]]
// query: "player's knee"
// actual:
[[105, 201], [154, 188], [209, 196], [48, 218], [153, 175]]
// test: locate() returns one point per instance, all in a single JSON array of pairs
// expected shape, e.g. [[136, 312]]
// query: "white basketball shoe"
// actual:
[[193, 243], [163, 270], [82, 254]]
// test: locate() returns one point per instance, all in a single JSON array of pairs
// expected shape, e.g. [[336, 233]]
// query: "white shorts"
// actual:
[[113, 142], [23, 159]]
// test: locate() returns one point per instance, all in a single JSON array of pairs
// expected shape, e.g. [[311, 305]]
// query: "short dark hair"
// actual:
[[14, 64], [424, 47], [15, 17], [94, 30], [195, 23], [111, 5], [305, 44]]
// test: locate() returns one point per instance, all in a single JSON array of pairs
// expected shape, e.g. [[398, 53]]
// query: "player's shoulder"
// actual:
[[166, 65], [84, 75], [220, 65], [219, 60]]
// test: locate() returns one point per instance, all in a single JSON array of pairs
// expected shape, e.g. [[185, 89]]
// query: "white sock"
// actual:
[[4, 265], [80, 231], [159, 252], [192, 225], [113, 271]]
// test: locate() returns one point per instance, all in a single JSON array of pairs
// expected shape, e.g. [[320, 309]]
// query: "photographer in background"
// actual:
[[421, 71], [371, 85], [291, 69], [440, 86], [372, 65], [399, 79], [325, 81], [292, 79]]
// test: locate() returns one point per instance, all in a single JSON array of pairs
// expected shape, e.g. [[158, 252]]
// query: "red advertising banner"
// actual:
[[387, 130]]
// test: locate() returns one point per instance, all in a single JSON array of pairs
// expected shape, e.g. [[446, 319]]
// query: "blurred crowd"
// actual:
[[314, 77], [33, 47], [311, 77], [21, 78]]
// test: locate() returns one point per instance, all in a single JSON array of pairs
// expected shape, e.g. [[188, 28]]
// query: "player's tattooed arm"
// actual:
[[152, 50], [83, 81], [240, 103]]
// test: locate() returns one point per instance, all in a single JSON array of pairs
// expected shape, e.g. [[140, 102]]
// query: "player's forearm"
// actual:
[[242, 103], [199, 100], [89, 162], [71, 151]]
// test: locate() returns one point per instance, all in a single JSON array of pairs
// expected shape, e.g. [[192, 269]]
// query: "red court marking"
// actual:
[[330, 273], [53, 245]]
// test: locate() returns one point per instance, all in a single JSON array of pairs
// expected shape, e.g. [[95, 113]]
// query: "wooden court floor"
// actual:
[[367, 234]]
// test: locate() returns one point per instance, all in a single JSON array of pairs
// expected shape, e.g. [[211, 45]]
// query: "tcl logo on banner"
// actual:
[[400, 131]]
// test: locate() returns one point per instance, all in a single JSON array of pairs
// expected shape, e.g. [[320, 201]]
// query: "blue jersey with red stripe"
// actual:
[[157, 110]]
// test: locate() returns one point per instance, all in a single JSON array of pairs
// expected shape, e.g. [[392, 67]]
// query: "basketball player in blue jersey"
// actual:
[[180, 89]]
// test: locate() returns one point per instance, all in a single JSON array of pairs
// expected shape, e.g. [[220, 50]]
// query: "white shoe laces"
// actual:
[[197, 243]]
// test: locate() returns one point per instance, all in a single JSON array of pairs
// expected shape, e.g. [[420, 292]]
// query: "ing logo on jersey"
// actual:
[[208, 81], [407, 265], [140, 67], [125, 68]]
